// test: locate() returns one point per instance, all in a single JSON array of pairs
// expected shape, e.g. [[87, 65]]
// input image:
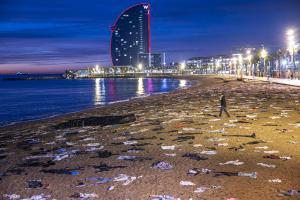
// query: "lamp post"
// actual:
[[234, 60], [182, 67], [264, 55], [140, 67], [249, 58], [291, 46], [241, 65]]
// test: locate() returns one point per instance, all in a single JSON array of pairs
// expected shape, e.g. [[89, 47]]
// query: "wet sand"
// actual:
[[263, 134]]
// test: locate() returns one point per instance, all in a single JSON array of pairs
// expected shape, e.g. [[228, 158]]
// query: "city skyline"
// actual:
[[53, 36]]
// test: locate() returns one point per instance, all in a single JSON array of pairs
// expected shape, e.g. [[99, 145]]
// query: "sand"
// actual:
[[184, 122]]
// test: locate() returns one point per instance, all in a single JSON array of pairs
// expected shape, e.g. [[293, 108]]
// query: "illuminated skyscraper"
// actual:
[[131, 35]]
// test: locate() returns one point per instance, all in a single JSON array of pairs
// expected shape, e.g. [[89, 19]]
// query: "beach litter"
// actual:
[[271, 152], [242, 174], [99, 180], [34, 184], [208, 152], [196, 171], [162, 165], [232, 162], [168, 147], [194, 156], [170, 154], [73, 172], [125, 179], [163, 197], [291, 193], [104, 167], [12, 196], [248, 174], [274, 181], [266, 165], [186, 183], [201, 189], [84, 196], [133, 158], [130, 142]]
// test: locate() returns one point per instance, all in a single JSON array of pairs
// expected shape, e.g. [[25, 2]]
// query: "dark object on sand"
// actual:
[[291, 193], [36, 163], [194, 156], [34, 184], [255, 142], [236, 148], [97, 121], [218, 174], [104, 167], [66, 171], [184, 138], [253, 135], [104, 154], [272, 157]]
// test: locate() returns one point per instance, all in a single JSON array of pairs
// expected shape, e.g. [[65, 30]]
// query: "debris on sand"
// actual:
[[162, 165], [232, 162], [186, 183], [266, 165], [97, 121], [194, 156], [162, 197], [292, 193]]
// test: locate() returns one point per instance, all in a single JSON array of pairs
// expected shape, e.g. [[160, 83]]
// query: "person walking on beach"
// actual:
[[223, 106]]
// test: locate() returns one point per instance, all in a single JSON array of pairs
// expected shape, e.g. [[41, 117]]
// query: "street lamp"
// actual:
[[291, 45], [97, 69], [182, 67], [234, 60], [140, 67], [249, 58], [264, 55], [241, 65]]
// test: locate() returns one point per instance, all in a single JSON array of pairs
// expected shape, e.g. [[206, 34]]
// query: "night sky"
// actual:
[[53, 35]]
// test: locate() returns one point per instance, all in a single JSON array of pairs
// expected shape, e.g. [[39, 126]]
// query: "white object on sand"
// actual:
[[186, 183], [208, 152], [168, 147], [201, 189], [130, 142], [232, 162], [266, 165], [275, 181], [271, 152]]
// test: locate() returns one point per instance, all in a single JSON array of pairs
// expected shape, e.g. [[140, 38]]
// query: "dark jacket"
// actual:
[[223, 101]]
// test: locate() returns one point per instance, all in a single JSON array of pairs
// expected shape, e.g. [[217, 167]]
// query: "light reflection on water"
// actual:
[[99, 91], [182, 83], [140, 87]]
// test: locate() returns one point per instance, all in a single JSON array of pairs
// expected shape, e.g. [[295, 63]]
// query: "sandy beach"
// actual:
[[176, 147]]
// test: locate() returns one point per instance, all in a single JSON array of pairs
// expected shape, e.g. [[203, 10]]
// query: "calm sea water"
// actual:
[[36, 99]]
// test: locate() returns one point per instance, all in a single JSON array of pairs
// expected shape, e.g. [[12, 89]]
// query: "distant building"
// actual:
[[131, 36], [209, 64], [151, 60]]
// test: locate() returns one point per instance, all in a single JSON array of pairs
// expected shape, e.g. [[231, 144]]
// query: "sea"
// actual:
[[27, 100]]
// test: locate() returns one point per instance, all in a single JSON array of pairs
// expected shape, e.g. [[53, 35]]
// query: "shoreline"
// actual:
[[69, 114]]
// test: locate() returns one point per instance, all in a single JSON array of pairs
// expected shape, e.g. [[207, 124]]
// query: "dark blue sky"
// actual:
[[53, 35]]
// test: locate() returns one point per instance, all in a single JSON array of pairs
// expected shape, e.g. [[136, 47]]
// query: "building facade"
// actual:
[[131, 35], [151, 60]]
